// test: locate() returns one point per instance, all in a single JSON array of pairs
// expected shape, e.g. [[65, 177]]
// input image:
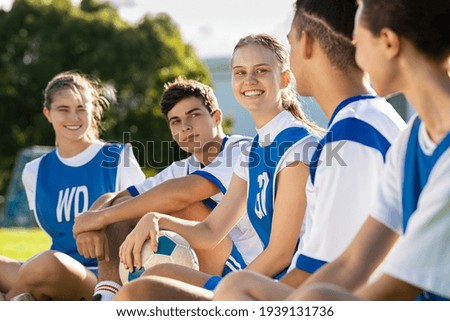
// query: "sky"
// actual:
[[212, 27]]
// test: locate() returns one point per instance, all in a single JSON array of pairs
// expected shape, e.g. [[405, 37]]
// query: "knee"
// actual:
[[126, 293], [40, 268], [232, 283], [193, 212], [165, 269], [136, 290], [324, 292]]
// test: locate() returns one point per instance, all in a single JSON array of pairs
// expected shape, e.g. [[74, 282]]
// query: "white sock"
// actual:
[[107, 289]]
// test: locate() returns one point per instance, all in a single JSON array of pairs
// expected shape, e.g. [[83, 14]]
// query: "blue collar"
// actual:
[[346, 102], [224, 141]]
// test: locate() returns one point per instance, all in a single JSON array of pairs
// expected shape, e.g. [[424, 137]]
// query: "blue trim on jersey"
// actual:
[[63, 192], [428, 296], [224, 141], [133, 191], [210, 203], [309, 264], [212, 283], [210, 177], [346, 102], [263, 162], [241, 140], [417, 169], [350, 129]]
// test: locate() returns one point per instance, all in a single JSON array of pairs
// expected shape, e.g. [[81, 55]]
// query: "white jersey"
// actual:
[[280, 142], [177, 169], [219, 172], [421, 256], [344, 177]]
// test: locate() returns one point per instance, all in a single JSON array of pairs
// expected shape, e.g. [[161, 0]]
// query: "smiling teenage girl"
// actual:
[[269, 180], [63, 184]]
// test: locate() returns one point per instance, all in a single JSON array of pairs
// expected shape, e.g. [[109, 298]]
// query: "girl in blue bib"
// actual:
[[63, 184]]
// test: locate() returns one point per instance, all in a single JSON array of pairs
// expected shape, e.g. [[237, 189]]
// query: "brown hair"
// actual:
[[83, 84], [182, 88]]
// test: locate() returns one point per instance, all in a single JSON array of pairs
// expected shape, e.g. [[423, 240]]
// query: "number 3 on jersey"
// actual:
[[260, 206]]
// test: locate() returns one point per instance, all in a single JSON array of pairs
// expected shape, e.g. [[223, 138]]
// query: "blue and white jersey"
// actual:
[[177, 169], [414, 200], [282, 141], [59, 189], [219, 172], [344, 175]]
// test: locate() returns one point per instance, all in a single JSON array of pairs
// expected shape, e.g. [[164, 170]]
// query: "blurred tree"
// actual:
[[39, 38]]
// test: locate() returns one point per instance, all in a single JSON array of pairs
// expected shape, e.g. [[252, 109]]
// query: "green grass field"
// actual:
[[22, 243]]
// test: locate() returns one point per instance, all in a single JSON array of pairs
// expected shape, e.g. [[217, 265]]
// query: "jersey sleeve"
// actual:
[[302, 151], [387, 206], [29, 180], [221, 169], [421, 257], [339, 202], [242, 164], [174, 170], [129, 172]]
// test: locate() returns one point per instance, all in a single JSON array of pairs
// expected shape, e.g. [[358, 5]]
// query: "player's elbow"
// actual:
[[281, 257], [209, 239]]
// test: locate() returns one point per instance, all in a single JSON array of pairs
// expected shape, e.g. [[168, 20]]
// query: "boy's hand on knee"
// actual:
[[93, 245]]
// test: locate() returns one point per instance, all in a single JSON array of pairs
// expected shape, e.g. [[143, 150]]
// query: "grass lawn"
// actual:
[[22, 243]]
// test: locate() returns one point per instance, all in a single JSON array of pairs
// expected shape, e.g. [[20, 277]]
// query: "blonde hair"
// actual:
[[288, 95]]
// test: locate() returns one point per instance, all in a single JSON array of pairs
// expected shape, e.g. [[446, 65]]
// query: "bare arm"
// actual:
[[289, 210], [295, 278], [169, 196], [109, 199], [201, 235], [389, 289], [352, 269]]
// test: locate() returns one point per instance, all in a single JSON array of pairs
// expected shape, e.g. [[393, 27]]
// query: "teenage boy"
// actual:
[[188, 189], [349, 161]]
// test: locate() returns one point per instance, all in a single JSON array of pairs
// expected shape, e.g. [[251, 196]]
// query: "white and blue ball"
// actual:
[[172, 248]]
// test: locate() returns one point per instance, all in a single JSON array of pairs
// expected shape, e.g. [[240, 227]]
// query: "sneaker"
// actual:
[[23, 297], [96, 297]]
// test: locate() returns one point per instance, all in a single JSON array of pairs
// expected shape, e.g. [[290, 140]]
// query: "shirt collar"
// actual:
[[269, 131]]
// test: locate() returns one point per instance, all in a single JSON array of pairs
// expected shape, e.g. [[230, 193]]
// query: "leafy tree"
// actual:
[[39, 38]]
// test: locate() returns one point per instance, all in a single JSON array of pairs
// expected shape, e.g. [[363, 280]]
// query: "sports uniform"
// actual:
[[59, 189], [344, 175], [280, 142], [245, 242], [414, 200]]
